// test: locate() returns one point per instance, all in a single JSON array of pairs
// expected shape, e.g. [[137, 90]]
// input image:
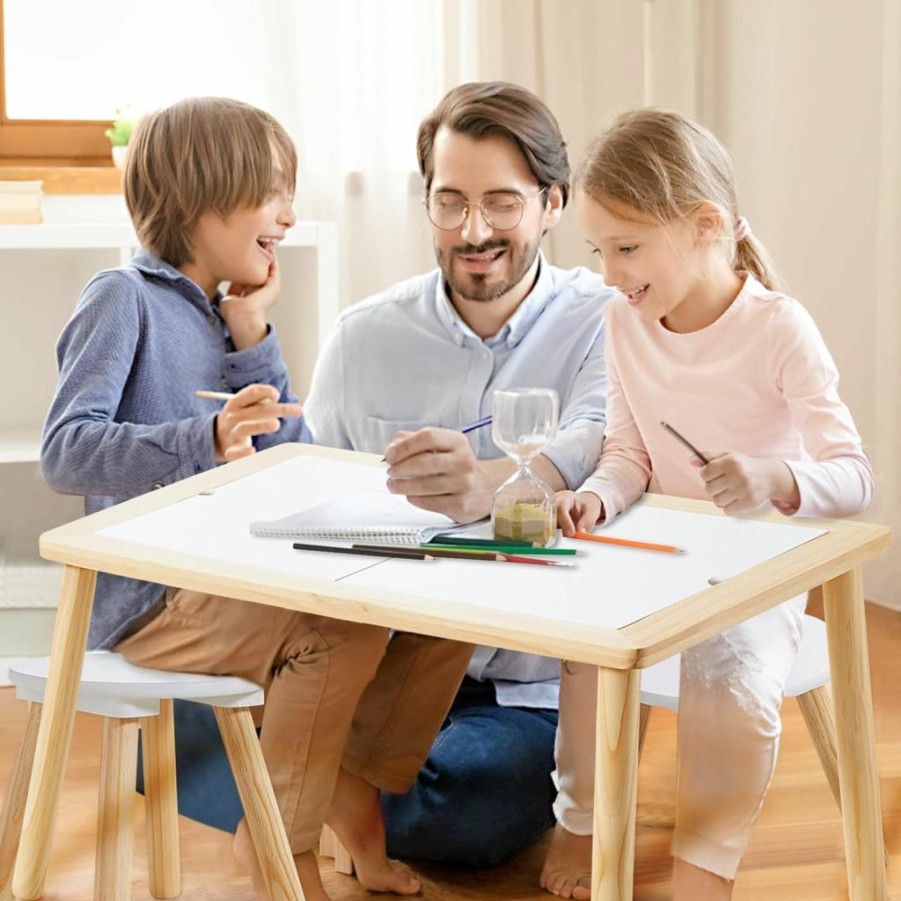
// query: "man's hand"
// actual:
[[244, 308], [252, 411], [437, 470], [738, 483], [577, 511]]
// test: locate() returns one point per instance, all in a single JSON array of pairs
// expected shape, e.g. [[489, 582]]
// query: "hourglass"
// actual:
[[524, 421]]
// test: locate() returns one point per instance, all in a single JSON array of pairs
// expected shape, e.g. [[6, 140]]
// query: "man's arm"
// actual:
[[437, 470]]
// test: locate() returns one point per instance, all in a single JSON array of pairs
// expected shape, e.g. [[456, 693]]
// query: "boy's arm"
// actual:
[[84, 450]]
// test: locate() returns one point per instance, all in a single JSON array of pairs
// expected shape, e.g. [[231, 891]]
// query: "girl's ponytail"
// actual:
[[750, 254]]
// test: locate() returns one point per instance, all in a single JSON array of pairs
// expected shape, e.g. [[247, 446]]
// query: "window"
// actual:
[[37, 139]]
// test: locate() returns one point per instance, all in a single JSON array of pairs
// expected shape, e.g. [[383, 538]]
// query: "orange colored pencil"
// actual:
[[628, 542]]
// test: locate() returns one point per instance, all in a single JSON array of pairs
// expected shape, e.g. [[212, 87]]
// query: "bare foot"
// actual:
[[691, 883], [307, 868], [356, 817], [567, 868]]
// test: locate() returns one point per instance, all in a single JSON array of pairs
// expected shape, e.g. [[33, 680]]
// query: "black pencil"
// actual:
[[411, 554], [686, 442]]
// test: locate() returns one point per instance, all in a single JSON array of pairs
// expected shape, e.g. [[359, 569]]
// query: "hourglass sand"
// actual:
[[525, 420]]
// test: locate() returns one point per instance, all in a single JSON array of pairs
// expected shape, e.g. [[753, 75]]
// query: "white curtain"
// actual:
[[806, 94]]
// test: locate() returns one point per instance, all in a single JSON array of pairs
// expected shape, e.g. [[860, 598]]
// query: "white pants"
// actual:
[[729, 725]]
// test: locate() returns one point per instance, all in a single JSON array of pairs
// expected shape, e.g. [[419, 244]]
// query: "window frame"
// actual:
[[48, 142]]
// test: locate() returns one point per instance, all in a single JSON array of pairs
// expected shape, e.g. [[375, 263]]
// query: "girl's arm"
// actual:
[[838, 479], [624, 468]]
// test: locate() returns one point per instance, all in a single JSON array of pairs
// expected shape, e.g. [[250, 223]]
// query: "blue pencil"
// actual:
[[478, 424]]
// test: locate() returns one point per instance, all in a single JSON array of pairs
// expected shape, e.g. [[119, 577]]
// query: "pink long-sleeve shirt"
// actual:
[[758, 381]]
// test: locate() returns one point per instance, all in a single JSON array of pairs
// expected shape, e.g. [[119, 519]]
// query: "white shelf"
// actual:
[[88, 235], [20, 446]]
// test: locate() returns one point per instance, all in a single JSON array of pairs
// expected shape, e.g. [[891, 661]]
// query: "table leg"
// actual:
[[615, 784], [855, 736], [70, 633]]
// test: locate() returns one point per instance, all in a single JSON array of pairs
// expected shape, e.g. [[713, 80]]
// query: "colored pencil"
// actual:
[[504, 549], [409, 553], [214, 395], [480, 542], [628, 542], [686, 442], [478, 424], [486, 554]]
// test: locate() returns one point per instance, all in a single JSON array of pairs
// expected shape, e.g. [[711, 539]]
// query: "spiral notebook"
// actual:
[[361, 516]]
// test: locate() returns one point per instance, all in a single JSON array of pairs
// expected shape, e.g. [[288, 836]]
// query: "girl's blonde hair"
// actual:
[[664, 166], [201, 154]]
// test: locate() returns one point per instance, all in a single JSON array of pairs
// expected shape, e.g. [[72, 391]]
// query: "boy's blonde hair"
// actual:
[[201, 154], [664, 166]]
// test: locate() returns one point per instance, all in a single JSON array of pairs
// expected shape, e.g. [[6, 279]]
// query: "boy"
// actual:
[[209, 186]]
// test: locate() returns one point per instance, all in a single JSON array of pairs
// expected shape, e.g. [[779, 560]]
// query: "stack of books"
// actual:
[[20, 201]]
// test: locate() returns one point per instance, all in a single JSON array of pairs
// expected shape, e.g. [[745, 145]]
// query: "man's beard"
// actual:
[[476, 286]]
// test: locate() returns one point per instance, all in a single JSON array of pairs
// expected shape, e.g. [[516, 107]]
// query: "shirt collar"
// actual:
[[148, 264], [516, 327]]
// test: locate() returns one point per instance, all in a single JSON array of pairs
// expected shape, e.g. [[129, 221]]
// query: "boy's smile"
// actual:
[[239, 247]]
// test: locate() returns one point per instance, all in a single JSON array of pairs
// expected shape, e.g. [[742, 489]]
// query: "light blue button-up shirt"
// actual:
[[404, 359]]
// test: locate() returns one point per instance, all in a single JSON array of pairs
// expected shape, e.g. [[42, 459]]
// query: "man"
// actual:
[[406, 369]]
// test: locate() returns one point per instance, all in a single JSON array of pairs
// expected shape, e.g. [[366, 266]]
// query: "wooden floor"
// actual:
[[796, 853]]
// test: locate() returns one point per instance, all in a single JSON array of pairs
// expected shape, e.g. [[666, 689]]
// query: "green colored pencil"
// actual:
[[502, 549], [480, 542]]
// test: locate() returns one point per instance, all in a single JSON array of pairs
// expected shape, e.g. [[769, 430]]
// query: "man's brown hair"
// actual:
[[201, 154], [480, 109]]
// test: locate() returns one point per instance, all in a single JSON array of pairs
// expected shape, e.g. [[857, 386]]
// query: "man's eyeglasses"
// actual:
[[502, 211]]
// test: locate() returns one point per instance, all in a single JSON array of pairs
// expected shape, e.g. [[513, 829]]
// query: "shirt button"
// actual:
[[211, 319], [156, 485]]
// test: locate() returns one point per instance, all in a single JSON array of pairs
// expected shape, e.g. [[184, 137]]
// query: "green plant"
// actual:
[[120, 133]]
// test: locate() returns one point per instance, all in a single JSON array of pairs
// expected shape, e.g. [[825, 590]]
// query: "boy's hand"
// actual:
[[738, 483], [577, 512], [437, 470], [244, 308], [252, 411]]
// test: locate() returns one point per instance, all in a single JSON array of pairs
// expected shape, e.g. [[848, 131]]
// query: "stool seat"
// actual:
[[132, 698], [111, 686], [660, 682]]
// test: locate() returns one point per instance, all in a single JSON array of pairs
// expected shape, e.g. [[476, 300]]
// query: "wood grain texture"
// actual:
[[55, 731], [796, 853], [158, 743], [849, 668]]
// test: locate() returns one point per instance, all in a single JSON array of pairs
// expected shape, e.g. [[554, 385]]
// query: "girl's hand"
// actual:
[[252, 411], [244, 308], [577, 512], [738, 483]]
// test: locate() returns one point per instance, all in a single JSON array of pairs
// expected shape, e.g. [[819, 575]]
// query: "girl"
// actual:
[[702, 337]]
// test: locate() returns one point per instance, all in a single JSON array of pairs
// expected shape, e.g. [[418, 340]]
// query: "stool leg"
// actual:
[[115, 827], [14, 802], [330, 846], [260, 808], [158, 738], [816, 708], [644, 717]]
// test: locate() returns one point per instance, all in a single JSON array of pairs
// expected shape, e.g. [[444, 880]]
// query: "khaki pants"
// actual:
[[337, 693]]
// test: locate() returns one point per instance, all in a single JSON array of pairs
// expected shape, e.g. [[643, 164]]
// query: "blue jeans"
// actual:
[[484, 792]]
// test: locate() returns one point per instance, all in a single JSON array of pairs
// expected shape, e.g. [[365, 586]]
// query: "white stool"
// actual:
[[127, 697], [807, 682]]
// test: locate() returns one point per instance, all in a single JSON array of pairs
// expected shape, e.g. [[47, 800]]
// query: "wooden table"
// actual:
[[381, 595]]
